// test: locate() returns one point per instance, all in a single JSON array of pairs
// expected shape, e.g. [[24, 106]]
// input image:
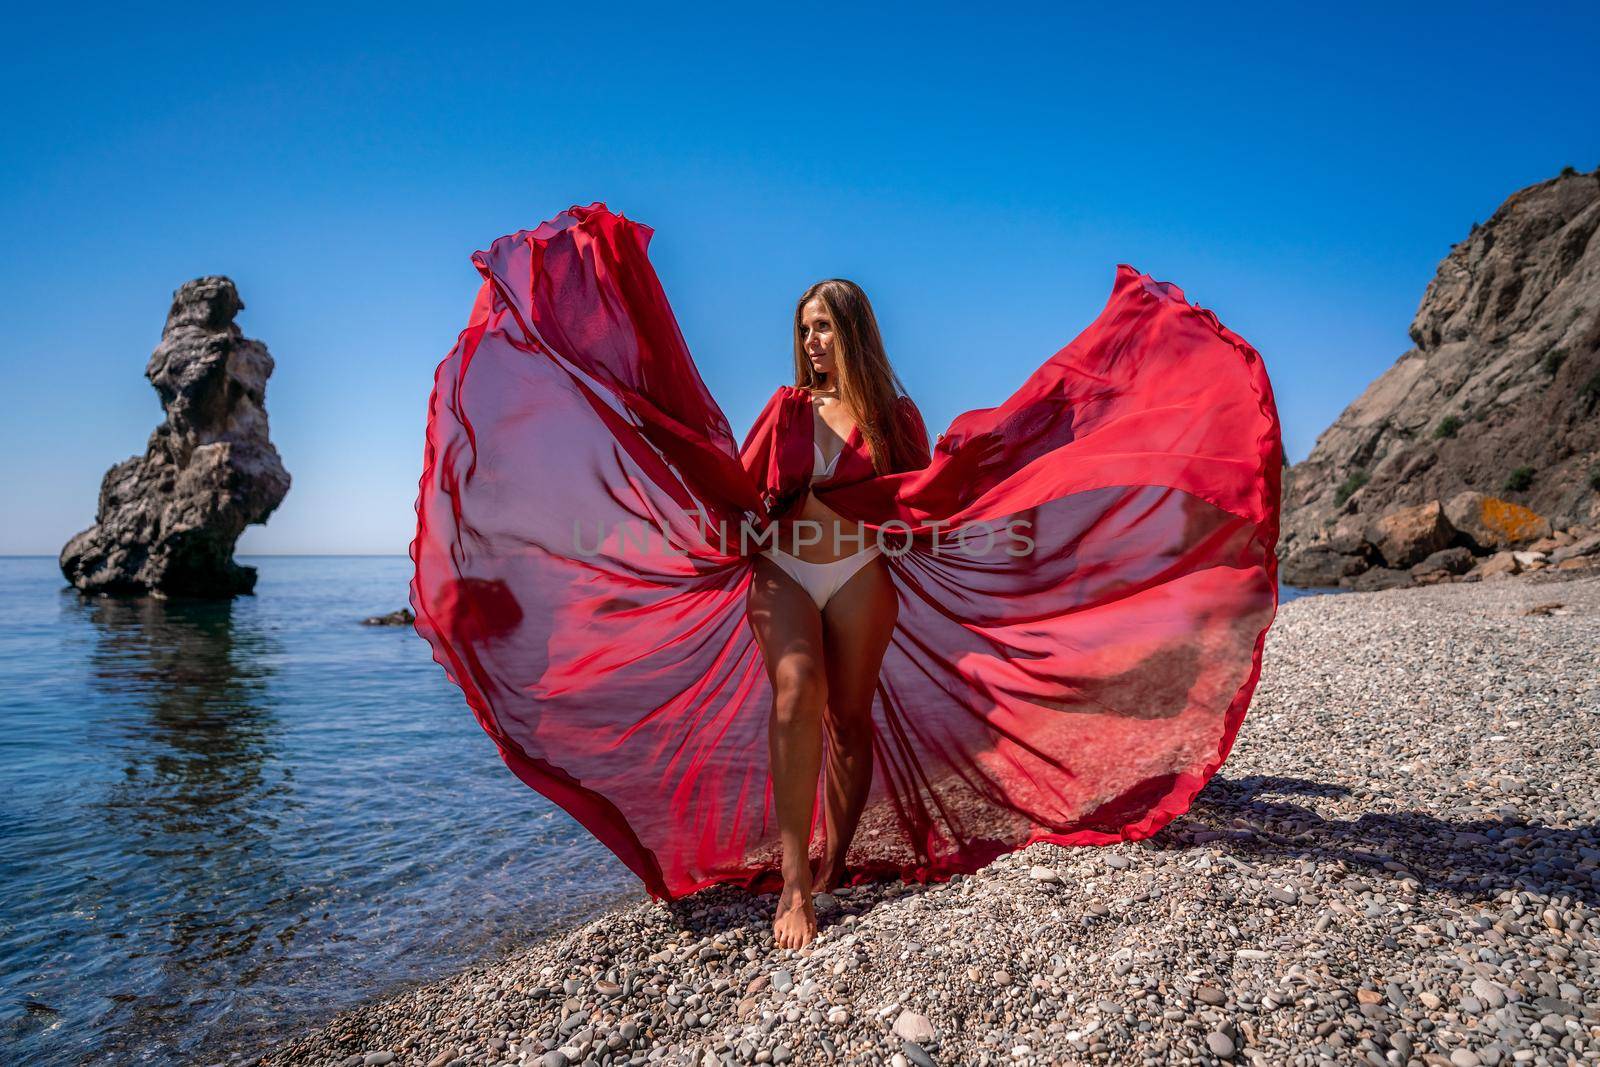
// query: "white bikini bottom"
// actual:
[[822, 580]]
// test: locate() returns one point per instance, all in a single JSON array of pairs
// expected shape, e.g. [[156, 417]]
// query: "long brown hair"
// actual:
[[868, 385]]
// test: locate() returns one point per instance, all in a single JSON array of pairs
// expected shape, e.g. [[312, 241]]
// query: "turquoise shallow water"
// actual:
[[220, 822]]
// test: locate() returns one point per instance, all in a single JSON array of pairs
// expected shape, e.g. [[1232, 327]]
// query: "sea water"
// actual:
[[220, 822]]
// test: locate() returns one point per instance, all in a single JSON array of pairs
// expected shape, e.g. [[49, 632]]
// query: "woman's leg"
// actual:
[[857, 624], [789, 630]]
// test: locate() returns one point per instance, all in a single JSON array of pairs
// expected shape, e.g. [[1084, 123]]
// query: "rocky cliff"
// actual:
[[1500, 396], [167, 521]]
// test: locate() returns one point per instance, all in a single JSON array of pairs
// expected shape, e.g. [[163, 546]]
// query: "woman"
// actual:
[[822, 602], [1081, 578]]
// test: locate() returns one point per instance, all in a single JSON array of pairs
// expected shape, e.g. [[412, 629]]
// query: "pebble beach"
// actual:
[[1398, 864]]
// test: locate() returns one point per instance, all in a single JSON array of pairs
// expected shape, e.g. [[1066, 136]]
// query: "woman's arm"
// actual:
[[917, 431], [763, 425]]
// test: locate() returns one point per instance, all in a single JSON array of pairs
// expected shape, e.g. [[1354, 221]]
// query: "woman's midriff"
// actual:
[[808, 531]]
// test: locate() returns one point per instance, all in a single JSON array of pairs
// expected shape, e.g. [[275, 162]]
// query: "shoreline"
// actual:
[[1399, 863]]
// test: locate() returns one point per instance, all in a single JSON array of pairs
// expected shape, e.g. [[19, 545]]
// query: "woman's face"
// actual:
[[816, 334]]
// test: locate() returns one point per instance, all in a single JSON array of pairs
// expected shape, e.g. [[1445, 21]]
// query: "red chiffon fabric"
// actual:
[[580, 575]]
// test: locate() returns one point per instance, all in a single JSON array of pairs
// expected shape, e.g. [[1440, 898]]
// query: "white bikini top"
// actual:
[[822, 467]]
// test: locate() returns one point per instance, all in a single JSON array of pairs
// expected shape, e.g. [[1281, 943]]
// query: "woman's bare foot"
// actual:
[[795, 924], [827, 875]]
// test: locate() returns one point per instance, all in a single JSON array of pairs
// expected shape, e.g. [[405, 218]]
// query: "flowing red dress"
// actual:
[[579, 574]]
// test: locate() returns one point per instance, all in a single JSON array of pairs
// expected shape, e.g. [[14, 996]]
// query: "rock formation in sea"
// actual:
[[167, 521], [1486, 435]]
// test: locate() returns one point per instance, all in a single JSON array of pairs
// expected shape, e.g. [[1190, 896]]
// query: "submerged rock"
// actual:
[[403, 617], [167, 521]]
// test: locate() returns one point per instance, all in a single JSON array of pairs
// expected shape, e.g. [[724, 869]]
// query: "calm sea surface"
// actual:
[[220, 822]]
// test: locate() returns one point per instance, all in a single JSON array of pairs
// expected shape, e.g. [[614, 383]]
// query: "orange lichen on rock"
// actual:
[[1488, 524], [1513, 522]]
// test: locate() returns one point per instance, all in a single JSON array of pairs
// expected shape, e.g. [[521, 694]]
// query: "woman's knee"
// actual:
[[800, 691], [851, 725]]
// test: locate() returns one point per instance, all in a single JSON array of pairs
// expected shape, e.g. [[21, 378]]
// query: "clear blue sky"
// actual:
[[979, 173]]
